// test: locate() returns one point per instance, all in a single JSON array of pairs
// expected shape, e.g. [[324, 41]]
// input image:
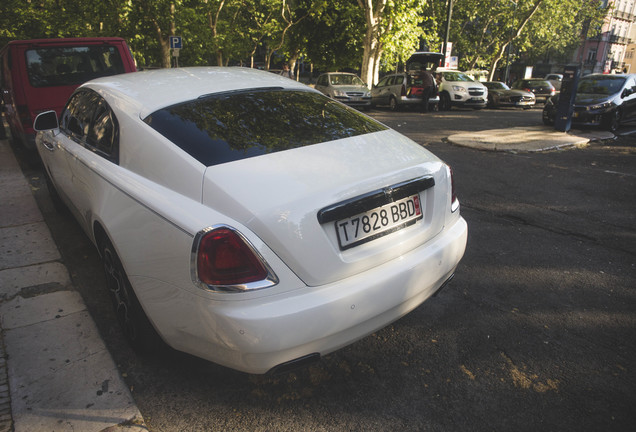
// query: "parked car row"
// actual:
[[452, 88], [604, 100]]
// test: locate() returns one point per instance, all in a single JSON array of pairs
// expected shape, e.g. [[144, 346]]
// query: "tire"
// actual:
[[613, 120], [131, 317], [393, 105], [491, 102], [444, 102]]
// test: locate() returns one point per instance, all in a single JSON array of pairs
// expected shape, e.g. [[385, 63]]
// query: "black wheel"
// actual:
[[613, 120], [393, 105], [130, 315], [444, 102], [491, 102]]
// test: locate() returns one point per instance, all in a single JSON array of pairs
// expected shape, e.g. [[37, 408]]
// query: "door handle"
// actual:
[[48, 145]]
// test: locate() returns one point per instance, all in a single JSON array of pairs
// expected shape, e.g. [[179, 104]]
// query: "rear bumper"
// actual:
[[256, 335]]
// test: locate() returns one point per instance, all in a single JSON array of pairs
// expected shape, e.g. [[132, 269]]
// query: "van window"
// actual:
[[62, 66]]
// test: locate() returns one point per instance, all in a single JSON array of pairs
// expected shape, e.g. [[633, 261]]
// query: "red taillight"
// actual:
[[224, 258]]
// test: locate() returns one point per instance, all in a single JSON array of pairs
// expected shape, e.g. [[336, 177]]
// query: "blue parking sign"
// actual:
[[175, 42]]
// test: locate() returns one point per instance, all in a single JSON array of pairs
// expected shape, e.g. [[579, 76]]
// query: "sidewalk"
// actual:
[[55, 371]]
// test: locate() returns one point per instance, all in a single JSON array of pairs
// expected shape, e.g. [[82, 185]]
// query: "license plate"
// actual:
[[378, 222]]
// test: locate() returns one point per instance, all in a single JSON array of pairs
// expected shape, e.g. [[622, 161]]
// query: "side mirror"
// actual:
[[46, 121]]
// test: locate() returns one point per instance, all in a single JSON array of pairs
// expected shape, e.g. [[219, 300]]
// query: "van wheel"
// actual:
[[444, 102], [393, 105], [136, 326]]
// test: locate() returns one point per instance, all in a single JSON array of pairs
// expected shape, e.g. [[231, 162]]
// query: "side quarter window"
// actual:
[[76, 116], [103, 135], [90, 122]]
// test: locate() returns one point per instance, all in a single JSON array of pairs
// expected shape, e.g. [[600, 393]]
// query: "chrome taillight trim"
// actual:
[[268, 282]]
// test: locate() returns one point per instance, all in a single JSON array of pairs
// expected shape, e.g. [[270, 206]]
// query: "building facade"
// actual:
[[606, 50]]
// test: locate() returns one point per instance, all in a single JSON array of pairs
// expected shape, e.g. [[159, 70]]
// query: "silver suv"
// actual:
[[399, 90]]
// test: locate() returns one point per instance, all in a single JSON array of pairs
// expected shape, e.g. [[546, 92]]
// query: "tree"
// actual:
[[391, 25], [484, 30]]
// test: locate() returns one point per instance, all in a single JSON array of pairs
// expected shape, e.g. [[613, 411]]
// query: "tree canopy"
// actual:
[[366, 36]]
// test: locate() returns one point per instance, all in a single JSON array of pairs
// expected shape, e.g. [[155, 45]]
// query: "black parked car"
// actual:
[[601, 100], [541, 88]]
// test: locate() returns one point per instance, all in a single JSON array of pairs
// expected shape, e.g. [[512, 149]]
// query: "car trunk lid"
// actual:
[[282, 197]]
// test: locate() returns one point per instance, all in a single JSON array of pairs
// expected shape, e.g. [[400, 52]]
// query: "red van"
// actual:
[[40, 74]]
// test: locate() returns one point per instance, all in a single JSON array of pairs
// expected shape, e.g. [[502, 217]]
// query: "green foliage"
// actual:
[[328, 33]]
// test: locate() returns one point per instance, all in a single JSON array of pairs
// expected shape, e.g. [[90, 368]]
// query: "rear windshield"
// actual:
[[536, 84], [62, 66], [345, 80], [226, 127]]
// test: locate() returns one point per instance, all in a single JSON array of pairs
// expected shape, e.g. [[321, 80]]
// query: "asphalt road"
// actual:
[[536, 332]]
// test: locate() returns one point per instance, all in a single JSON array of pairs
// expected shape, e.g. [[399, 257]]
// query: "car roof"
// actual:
[[148, 91], [607, 76], [64, 41]]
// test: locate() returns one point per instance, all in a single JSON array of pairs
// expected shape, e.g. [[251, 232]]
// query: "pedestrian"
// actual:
[[429, 87], [286, 72]]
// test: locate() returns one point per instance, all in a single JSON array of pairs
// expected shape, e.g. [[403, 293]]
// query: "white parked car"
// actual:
[[458, 89], [246, 218]]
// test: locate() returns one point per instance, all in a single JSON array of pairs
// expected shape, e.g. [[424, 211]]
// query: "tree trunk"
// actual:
[[373, 10], [519, 30]]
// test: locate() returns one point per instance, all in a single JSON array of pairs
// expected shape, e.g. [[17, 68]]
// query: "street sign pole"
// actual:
[[176, 43]]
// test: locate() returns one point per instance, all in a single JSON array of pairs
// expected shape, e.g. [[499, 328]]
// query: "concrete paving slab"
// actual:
[[26, 245], [14, 279], [61, 376], [21, 312]]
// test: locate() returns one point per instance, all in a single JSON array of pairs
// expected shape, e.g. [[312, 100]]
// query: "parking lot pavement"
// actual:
[[55, 371]]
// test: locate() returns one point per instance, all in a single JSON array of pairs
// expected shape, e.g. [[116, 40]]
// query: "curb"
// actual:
[[527, 139]]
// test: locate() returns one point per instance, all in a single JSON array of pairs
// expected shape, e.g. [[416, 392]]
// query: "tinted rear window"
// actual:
[[226, 127], [62, 66], [536, 84]]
